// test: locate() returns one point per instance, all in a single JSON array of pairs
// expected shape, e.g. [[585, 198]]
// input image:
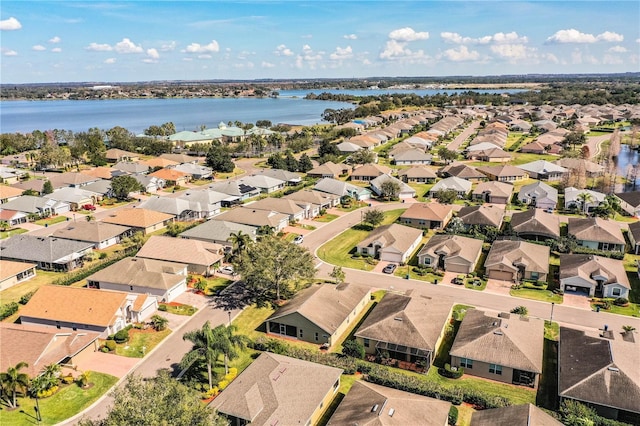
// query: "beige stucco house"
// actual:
[[451, 253], [391, 243]]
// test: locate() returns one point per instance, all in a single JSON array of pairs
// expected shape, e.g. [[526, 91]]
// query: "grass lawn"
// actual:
[[179, 309], [51, 220], [469, 283], [523, 158], [542, 295], [236, 172], [305, 226], [10, 232], [631, 310], [113, 204], [327, 217], [354, 206], [421, 189], [465, 412], [67, 402], [215, 284], [139, 339], [551, 330], [13, 294]]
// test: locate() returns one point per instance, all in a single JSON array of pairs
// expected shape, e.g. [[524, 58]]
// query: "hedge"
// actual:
[[76, 276], [26, 297], [8, 309], [451, 374], [610, 254]]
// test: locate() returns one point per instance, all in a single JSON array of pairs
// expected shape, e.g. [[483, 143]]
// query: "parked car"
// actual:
[[298, 240], [228, 270], [389, 268], [89, 207], [458, 280]]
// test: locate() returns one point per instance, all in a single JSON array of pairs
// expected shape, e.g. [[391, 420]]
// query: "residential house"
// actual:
[[34, 185], [320, 314], [491, 155], [505, 347], [412, 157], [159, 163], [371, 404], [347, 148], [201, 257], [534, 148], [164, 280], [254, 217], [329, 170], [180, 209], [493, 192], [289, 177], [459, 185], [427, 215], [39, 347], [451, 253], [368, 172], [592, 169], [634, 236], [281, 205], [265, 184], [41, 206], [219, 232], [101, 187], [601, 370], [504, 173], [593, 275], [204, 201], [597, 234], [115, 155], [72, 179], [630, 202], [100, 234], [142, 220], [179, 158], [544, 170], [482, 216], [341, 189], [50, 254], [196, 171], [172, 177], [236, 190], [391, 243], [9, 193], [525, 414], [313, 201], [75, 197], [516, 261], [462, 171], [131, 168], [417, 174], [535, 224], [103, 172], [10, 176], [12, 272], [539, 195], [276, 389], [405, 329], [12, 217], [78, 308], [149, 184], [405, 191]]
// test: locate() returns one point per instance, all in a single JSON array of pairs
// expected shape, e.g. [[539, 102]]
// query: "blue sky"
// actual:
[[113, 41]]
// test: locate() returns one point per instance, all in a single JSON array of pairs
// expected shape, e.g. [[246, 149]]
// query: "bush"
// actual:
[[214, 391], [162, 308], [621, 301], [48, 392], [110, 345], [121, 336], [8, 309], [68, 379], [25, 298], [450, 373], [453, 416], [222, 384], [105, 349], [520, 310], [353, 348]]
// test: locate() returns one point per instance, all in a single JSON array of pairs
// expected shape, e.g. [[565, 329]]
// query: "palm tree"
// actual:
[[14, 381], [89, 217], [228, 343], [203, 349], [266, 230], [159, 323], [240, 241], [51, 373], [4, 225], [584, 198]]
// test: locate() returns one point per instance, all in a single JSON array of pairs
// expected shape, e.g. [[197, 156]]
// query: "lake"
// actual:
[[187, 114]]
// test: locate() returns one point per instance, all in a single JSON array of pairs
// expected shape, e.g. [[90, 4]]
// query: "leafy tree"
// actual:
[[338, 116], [574, 413], [4, 225], [328, 148], [273, 265], [363, 156], [446, 154], [305, 164], [121, 186], [204, 349], [584, 198], [291, 162], [390, 189], [446, 196], [374, 217], [219, 159], [263, 123], [47, 188], [353, 348], [337, 274], [159, 322], [12, 382], [120, 138], [228, 343], [456, 226], [276, 161], [574, 138], [159, 401]]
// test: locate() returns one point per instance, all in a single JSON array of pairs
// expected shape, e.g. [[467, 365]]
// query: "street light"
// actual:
[[229, 313], [552, 306]]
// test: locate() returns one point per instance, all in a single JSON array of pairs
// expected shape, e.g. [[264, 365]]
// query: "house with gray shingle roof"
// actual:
[[74, 196], [593, 275], [596, 233], [219, 232], [535, 224], [517, 260], [264, 183], [195, 170], [36, 205], [506, 347], [281, 205], [255, 217], [320, 314], [100, 234], [526, 414], [544, 170], [391, 243], [342, 189], [417, 174], [405, 190], [461, 186], [630, 202], [412, 157], [51, 254], [201, 257], [539, 195], [290, 177], [493, 192], [451, 253], [482, 216], [329, 170]]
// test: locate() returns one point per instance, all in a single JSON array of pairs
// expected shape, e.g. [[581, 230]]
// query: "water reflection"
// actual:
[[625, 162]]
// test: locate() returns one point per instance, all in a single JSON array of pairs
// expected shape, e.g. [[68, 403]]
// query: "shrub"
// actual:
[[162, 307], [214, 391], [47, 392], [222, 384], [520, 310], [453, 416], [68, 379], [25, 298], [121, 336], [8, 309], [621, 301], [110, 345], [449, 372], [353, 348], [102, 256]]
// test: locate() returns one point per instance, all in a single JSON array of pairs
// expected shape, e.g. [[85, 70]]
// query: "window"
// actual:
[[427, 261], [316, 336], [300, 333], [466, 363], [616, 292], [366, 343], [364, 250], [495, 369], [534, 275], [58, 324]]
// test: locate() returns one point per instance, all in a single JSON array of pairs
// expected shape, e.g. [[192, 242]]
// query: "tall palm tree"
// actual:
[[240, 241], [584, 198], [203, 349], [228, 343], [14, 381]]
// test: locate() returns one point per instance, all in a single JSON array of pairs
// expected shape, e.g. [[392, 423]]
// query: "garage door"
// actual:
[[460, 269], [390, 257], [501, 275]]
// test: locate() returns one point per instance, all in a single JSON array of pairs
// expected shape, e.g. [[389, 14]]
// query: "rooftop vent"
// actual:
[[498, 333], [614, 369], [391, 411], [398, 319], [374, 408]]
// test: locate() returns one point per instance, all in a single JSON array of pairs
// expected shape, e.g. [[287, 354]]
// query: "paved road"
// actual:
[[594, 143], [459, 140]]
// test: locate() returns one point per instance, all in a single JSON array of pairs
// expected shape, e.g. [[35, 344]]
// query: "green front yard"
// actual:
[[67, 402], [141, 342], [177, 308], [11, 232], [537, 294], [51, 220], [327, 217]]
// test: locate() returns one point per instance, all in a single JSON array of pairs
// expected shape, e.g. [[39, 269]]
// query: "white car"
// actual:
[[298, 240], [228, 270]]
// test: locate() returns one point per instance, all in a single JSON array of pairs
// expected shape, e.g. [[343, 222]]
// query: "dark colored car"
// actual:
[[389, 268], [458, 280]]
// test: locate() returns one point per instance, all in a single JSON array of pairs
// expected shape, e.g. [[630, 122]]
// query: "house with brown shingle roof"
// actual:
[[75, 308], [160, 162], [72, 179], [506, 347], [493, 192], [526, 414], [533, 148], [408, 329], [114, 155], [8, 193], [601, 369], [172, 177], [143, 220], [517, 260], [201, 257], [279, 390], [535, 224], [330, 170], [451, 253], [40, 346], [368, 404], [427, 215], [12, 272], [101, 172], [482, 216], [100, 234], [255, 217], [391, 243], [462, 171], [593, 275], [504, 173], [596, 233], [320, 314], [417, 174], [634, 236], [630, 202], [368, 172]]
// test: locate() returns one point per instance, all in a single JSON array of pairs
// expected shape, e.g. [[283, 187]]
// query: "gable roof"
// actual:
[[595, 229], [525, 415], [262, 181], [486, 215], [283, 175], [181, 250], [75, 305], [42, 249], [428, 211], [452, 246], [535, 257], [370, 170], [280, 205], [634, 230], [632, 198], [10, 268], [511, 340], [159, 162], [253, 217], [496, 189], [328, 168], [93, 232], [31, 204], [233, 187], [59, 180], [169, 174], [218, 230], [325, 305], [586, 265], [377, 183], [542, 167], [415, 322], [413, 154], [399, 237], [9, 192], [571, 195], [417, 172], [462, 171], [357, 408], [276, 389], [538, 190], [453, 182], [138, 218], [536, 222], [599, 370], [338, 187], [502, 171], [148, 273]]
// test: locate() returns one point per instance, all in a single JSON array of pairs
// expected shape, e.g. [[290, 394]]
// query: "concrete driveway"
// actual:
[[118, 366]]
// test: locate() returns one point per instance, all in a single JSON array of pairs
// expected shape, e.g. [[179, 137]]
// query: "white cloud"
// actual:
[[169, 46], [56, 50], [638, 40], [574, 36], [55, 40], [408, 34], [460, 54], [187, 59], [95, 47], [611, 60], [498, 38], [110, 61], [9, 52], [10, 24], [550, 57], [309, 55], [127, 46], [341, 53], [350, 36], [617, 49], [511, 37], [38, 48], [283, 50], [207, 48], [267, 65], [153, 53], [307, 36], [512, 51], [577, 58], [398, 50], [204, 56]]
